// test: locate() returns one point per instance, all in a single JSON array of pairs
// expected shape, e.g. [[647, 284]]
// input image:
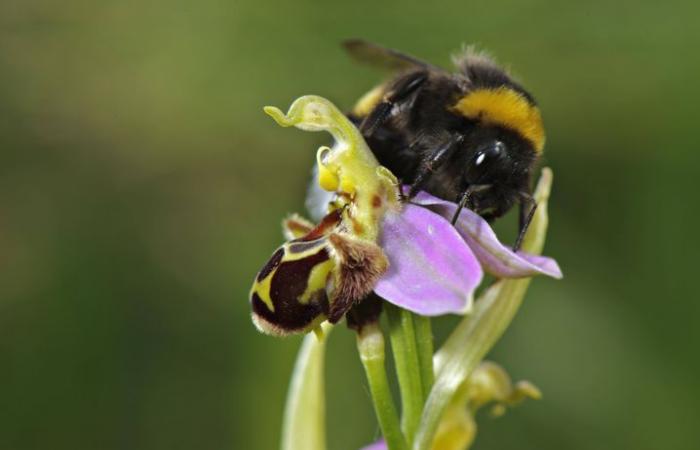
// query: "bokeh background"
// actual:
[[141, 188]]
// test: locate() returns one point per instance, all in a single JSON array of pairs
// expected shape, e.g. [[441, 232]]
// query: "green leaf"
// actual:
[[304, 423]]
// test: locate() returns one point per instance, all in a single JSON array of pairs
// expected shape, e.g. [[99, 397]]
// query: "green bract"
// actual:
[[304, 425]]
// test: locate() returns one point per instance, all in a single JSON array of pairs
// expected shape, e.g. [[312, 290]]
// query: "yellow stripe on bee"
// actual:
[[507, 108], [367, 102]]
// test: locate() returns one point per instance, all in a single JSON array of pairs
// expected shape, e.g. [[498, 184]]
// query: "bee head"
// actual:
[[495, 155], [495, 165]]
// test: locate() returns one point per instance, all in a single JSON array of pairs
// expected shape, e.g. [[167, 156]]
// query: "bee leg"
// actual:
[[401, 91], [467, 200], [433, 161], [402, 195], [526, 201]]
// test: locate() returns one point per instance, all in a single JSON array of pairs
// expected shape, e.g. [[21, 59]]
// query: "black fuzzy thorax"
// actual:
[[422, 123]]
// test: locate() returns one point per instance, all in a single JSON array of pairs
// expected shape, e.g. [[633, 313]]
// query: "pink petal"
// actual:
[[432, 271], [496, 258], [379, 445]]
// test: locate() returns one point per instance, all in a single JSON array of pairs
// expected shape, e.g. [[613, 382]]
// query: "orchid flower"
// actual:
[[409, 254], [373, 250]]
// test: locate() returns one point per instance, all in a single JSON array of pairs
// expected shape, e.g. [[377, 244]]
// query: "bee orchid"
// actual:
[[408, 253]]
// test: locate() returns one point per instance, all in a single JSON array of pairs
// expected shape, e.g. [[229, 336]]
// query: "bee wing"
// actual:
[[384, 58]]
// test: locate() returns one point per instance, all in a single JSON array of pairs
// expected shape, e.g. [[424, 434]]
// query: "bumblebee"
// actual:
[[472, 136]]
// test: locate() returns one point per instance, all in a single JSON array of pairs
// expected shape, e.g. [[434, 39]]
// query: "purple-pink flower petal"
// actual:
[[432, 271], [379, 445], [495, 258]]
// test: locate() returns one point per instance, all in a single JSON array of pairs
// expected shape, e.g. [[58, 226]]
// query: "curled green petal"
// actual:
[[349, 168], [457, 429], [304, 423], [477, 333], [522, 390], [490, 383], [314, 113]]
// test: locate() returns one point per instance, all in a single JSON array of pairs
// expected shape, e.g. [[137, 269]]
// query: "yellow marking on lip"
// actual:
[[262, 288], [317, 280]]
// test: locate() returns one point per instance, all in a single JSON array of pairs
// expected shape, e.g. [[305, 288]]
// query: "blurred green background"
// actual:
[[141, 188]]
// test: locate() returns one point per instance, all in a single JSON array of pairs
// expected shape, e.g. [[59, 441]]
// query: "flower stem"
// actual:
[[370, 345], [403, 343], [424, 345]]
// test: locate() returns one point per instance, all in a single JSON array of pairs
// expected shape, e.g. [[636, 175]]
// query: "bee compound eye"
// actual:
[[485, 160], [492, 152]]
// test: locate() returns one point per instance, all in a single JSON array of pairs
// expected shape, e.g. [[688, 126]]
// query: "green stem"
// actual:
[[403, 343], [370, 345], [424, 344]]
